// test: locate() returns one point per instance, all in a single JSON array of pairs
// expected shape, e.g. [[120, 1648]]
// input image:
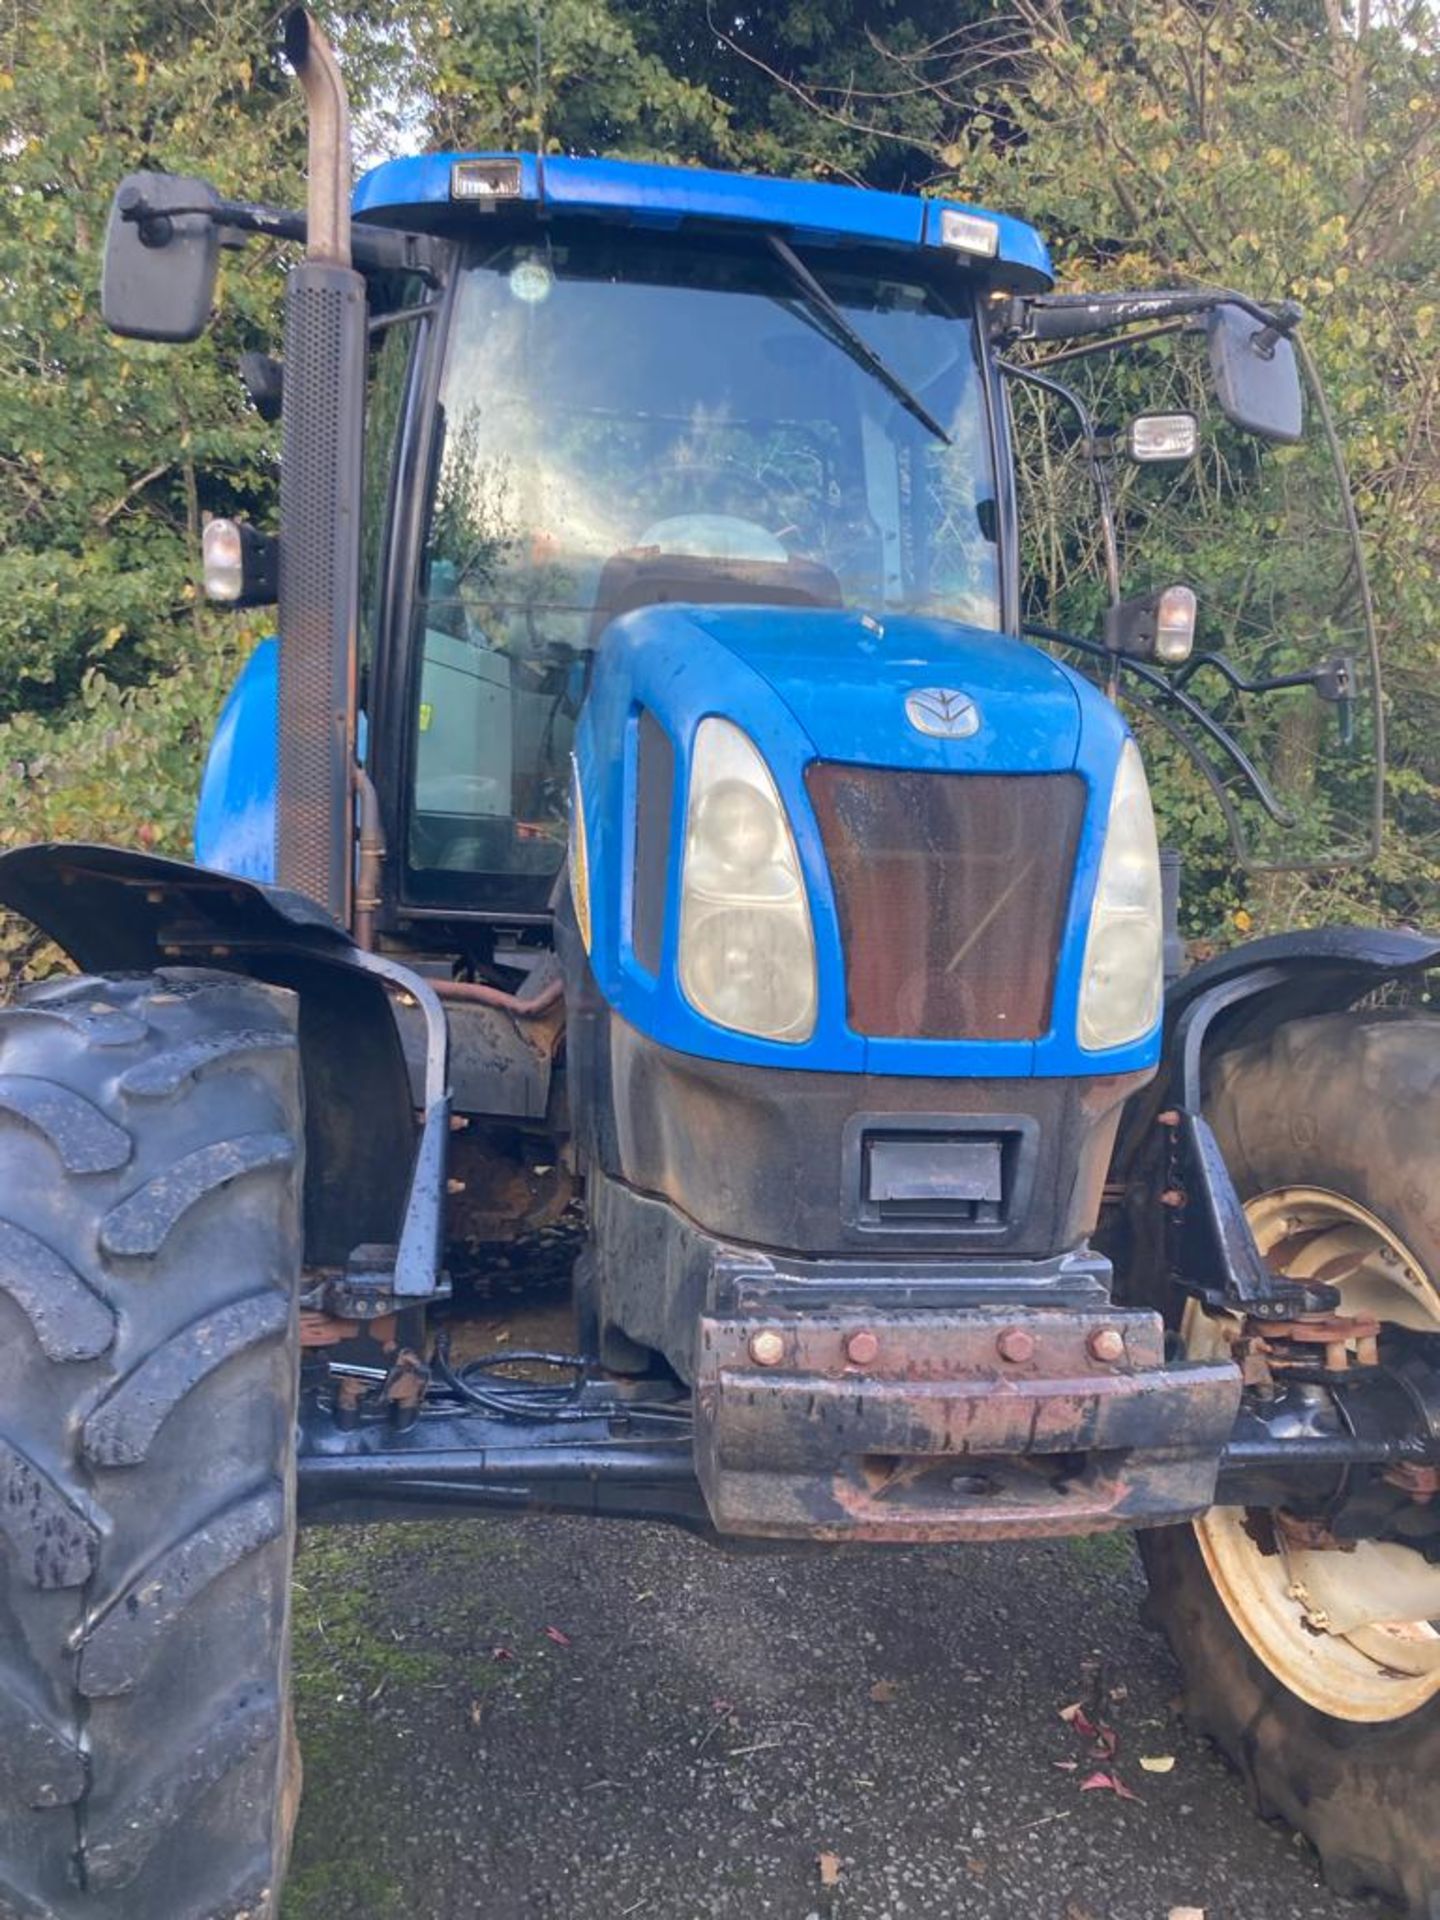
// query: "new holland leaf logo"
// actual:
[[943, 711]]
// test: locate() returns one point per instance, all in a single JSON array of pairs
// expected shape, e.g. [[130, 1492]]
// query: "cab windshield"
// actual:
[[626, 419]]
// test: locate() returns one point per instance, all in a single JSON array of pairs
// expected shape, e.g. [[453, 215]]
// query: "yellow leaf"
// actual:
[[1242, 920]]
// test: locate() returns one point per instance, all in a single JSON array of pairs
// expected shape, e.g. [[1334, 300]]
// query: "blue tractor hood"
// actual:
[[844, 677], [815, 684]]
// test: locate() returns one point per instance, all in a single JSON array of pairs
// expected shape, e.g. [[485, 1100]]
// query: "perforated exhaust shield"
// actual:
[[319, 572], [952, 890]]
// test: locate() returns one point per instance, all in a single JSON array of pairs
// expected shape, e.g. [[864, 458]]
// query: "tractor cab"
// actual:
[[644, 386], [626, 418]]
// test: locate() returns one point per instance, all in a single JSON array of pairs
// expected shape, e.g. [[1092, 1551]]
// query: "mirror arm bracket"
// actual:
[[375, 249], [1075, 316]]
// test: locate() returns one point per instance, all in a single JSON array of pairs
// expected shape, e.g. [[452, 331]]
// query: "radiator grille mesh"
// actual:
[[952, 890]]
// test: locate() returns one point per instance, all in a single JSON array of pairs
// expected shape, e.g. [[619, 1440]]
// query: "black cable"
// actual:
[[535, 1401], [516, 1399]]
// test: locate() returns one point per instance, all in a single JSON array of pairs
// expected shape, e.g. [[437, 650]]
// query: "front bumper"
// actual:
[[982, 1424]]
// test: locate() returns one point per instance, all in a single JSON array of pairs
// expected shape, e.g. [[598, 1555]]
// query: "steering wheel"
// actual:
[[718, 482]]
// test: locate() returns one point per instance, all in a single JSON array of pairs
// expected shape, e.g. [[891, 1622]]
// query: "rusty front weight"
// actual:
[[996, 1422]]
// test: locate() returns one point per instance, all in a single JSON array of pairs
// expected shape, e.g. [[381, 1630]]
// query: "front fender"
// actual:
[[115, 910], [1242, 994], [367, 1180]]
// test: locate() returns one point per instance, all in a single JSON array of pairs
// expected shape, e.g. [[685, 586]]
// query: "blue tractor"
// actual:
[[653, 799]]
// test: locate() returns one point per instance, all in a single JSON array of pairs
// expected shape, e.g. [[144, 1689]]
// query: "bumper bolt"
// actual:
[[1015, 1345], [767, 1348], [861, 1348], [1106, 1345]]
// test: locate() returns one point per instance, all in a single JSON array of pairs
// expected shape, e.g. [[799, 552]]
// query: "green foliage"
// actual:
[[1290, 152], [111, 452], [802, 87], [1283, 147]]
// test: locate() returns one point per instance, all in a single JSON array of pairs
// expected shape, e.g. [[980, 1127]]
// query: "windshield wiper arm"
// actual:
[[848, 337]]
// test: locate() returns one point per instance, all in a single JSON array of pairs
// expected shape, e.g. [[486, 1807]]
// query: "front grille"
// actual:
[[952, 890]]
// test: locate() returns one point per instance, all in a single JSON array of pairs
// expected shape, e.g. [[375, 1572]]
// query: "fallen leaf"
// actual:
[[1186, 1913], [501, 1653], [1109, 1782], [979, 1868], [883, 1692], [477, 1712], [1066, 1766], [1088, 1729], [829, 1865], [1158, 1762], [560, 1639]]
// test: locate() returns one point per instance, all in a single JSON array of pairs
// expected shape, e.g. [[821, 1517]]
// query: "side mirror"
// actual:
[[1152, 439], [162, 247], [1257, 381]]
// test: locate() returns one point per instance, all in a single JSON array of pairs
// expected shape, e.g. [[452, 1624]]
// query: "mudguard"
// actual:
[[368, 1181]]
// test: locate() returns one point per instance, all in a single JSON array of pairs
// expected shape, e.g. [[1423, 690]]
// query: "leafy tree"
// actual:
[[111, 452], [1290, 148], [802, 87]]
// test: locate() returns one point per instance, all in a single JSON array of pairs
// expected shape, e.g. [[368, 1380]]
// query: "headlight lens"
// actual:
[[1121, 987], [747, 949]]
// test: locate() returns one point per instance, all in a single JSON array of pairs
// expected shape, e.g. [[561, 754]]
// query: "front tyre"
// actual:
[[151, 1138], [1318, 1672]]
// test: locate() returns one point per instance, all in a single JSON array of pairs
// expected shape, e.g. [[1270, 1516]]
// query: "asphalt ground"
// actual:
[[543, 1719]]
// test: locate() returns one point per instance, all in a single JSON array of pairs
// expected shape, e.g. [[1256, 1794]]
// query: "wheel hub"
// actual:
[[1350, 1627]]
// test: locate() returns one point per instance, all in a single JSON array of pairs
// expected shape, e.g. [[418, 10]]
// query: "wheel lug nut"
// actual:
[[767, 1349], [1016, 1345], [1107, 1345], [861, 1348]]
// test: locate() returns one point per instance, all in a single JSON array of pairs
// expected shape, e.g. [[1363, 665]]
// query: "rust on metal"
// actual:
[[942, 1439], [1296, 1530], [1107, 1345], [1421, 1483], [1015, 1345], [1264, 1347], [325, 1329], [508, 1187], [406, 1384], [862, 1348]]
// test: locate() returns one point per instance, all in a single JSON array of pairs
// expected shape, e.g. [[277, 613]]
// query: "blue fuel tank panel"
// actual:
[[235, 816]]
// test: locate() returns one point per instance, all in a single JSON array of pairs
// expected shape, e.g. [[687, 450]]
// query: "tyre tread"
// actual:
[[147, 1427]]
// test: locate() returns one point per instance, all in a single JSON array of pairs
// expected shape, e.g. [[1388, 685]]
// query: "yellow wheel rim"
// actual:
[[1354, 1634]]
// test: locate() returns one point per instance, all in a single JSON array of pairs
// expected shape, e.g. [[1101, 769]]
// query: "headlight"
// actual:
[[1121, 986], [747, 951]]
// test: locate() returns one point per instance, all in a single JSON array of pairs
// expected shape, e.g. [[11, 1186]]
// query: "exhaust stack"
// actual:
[[327, 175], [322, 436]]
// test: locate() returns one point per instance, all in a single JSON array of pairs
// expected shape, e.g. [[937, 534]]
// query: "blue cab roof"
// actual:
[[663, 196]]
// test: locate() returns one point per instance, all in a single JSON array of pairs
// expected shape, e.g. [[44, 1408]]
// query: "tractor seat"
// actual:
[[648, 576]]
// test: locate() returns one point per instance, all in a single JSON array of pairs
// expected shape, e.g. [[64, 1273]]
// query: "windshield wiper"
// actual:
[[846, 336]]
